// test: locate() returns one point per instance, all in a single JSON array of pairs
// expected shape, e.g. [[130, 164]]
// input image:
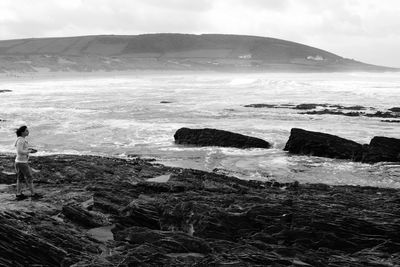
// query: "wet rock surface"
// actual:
[[383, 149], [322, 145], [214, 137], [380, 149], [194, 218]]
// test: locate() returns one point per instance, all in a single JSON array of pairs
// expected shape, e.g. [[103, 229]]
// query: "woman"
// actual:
[[21, 163]]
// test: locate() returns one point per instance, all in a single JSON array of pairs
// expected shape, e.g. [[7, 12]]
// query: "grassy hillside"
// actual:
[[170, 51]]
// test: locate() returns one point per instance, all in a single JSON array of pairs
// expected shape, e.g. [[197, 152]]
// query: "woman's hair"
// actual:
[[20, 130]]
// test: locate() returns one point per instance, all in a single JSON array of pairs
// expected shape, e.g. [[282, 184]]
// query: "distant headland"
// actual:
[[210, 52]]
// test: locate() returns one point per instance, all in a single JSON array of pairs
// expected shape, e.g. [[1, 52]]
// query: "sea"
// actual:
[[128, 114]]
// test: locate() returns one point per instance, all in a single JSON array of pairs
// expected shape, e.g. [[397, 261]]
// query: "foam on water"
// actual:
[[122, 115]]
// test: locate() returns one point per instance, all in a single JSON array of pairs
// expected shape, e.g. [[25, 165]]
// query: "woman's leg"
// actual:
[[20, 176], [27, 173]]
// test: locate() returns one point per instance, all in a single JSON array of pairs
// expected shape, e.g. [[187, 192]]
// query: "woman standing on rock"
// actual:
[[21, 163]]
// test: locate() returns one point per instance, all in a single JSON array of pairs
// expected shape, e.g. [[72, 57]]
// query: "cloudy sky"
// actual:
[[366, 30]]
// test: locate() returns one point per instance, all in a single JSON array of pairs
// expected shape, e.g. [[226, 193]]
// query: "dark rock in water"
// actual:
[[325, 145], [260, 106], [165, 102], [214, 137], [378, 114], [322, 145], [336, 106], [306, 106], [381, 114], [391, 121], [333, 112], [357, 107], [5, 91], [353, 114], [338, 110], [382, 149], [270, 106]]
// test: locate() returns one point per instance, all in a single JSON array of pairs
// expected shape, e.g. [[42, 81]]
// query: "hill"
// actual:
[[170, 51]]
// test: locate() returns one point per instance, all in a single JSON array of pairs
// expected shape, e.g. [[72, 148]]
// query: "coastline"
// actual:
[[101, 211], [61, 75]]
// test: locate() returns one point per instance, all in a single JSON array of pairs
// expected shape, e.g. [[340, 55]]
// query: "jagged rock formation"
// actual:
[[214, 137], [196, 218], [325, 145]]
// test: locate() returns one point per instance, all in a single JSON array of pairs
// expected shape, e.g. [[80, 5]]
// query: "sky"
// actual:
[[364, 30]]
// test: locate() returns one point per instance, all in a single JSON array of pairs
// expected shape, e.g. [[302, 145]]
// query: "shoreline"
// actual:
[[157, 162], [179, 166]]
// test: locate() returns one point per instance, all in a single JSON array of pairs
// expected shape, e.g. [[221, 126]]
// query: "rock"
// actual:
[[395, 109], [325, 145], [18, 248], [214, 137], [337, 110], [170, 241], [269, 106], [322, 145], [332, 112], [391, 121], [8, 177], [356, 107], [81, 216], [35, 240], [382, 149], [306, 106], [381, 114], [195, 218], [260, 106], [165, 102], [5, 91]]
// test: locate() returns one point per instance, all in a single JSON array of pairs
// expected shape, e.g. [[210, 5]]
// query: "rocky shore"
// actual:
[[99, 211]]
